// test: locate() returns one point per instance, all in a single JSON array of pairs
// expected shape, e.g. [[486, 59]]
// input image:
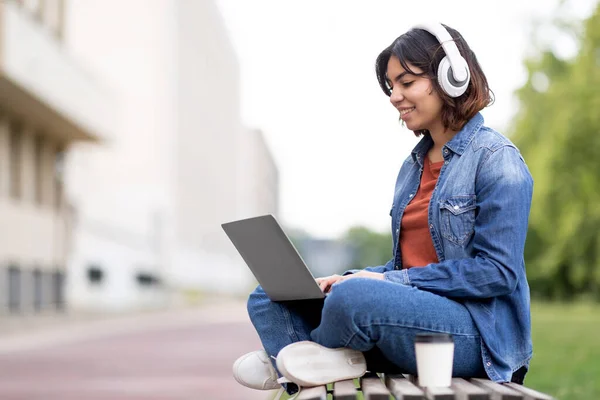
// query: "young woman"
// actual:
[[459, 220]]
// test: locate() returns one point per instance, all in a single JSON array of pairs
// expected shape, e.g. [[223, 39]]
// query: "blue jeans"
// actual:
[[378, 318]]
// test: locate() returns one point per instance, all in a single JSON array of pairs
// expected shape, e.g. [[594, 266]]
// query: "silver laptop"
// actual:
[[273, 259]]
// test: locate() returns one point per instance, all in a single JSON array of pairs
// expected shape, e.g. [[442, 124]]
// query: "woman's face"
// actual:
[[420, 106]]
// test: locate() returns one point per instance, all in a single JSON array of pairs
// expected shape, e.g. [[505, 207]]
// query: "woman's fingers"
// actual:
[[323, 284], [326, 282]]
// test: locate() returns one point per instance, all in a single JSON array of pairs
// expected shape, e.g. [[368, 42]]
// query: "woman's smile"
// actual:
[[405, 111]]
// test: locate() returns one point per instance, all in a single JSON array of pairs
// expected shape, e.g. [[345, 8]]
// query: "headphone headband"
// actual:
[[447, 42], [453, 71]]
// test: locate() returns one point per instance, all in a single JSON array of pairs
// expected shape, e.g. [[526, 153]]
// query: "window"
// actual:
[[14, 146], [95, 275], [58, 290], [146, 279], [38, 162], [14, 289], [59, 166], [37, 290]]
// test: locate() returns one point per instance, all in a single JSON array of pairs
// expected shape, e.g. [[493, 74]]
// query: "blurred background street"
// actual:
[[178, 354]]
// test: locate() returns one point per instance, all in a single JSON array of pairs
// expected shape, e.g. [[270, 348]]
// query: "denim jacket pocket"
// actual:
[[457, 215]]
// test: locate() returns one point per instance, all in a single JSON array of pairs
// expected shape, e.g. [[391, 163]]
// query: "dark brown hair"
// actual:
[[421, 49]]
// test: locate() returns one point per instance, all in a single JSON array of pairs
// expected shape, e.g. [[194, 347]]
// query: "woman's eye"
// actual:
[[407, 84]]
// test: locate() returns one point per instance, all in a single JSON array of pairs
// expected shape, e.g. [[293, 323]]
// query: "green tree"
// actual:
[[558, 131], [371, 248]]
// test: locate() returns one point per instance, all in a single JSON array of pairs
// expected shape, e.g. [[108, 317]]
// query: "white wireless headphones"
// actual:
[[453, 71]]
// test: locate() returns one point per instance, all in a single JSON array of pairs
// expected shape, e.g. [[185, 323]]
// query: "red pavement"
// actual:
[[167, 363]]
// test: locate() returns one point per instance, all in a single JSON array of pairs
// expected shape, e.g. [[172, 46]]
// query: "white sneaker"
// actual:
[[310, 364], [254, 370]]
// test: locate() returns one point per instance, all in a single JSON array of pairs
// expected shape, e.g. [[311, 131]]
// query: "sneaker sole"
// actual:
[[310, 364], [262, 386], [235, 371]]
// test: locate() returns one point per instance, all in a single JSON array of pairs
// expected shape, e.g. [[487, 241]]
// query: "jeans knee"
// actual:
[[342, 311], [344, 296], [256, 299]]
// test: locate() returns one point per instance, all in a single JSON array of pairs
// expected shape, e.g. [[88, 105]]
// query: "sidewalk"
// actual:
[[36, 331], [176, 354]]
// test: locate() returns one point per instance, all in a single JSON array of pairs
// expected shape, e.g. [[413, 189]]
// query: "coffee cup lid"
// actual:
[[433, 338]]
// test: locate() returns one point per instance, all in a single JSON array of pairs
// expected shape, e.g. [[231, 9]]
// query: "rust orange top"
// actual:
[[415, 240]]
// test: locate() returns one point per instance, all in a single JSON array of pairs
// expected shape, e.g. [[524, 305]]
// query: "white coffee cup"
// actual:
[[435, 355]]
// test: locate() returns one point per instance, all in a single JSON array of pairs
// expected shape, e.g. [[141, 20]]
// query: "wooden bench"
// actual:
[[402, 387]]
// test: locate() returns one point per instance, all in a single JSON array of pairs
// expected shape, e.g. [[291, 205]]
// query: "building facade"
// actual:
[[41, 115], [151, 201]]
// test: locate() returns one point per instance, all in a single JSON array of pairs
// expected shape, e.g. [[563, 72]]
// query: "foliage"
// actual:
[[558, 131], [371, 248]]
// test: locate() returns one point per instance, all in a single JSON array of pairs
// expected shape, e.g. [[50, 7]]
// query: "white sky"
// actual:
[[308, 81]]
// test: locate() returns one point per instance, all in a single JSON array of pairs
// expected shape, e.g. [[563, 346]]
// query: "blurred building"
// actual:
[[151, 201], [47, 102], [259, 176]]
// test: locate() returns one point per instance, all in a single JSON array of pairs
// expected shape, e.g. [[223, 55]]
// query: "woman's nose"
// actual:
[[396, 96]]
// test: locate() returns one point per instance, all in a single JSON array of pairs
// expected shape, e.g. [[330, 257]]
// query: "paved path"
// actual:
[[186, 354]]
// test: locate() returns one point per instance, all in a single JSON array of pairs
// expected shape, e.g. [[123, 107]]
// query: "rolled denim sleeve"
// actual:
[[400, 276], [504, 189], [380, 268]]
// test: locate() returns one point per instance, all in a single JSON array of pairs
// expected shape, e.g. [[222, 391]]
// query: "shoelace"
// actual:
[[282, 389]]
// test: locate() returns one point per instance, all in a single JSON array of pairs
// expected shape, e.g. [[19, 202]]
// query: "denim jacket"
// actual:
[[478, 217]]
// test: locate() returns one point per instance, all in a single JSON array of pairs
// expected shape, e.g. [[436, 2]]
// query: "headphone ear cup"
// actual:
[[446, 80]]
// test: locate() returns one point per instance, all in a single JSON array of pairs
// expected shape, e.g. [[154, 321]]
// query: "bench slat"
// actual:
[[529, 393], [468, 391], [499, 392], [313, 393], [344, 390], [402, 388], [374, 389], [439, 393]]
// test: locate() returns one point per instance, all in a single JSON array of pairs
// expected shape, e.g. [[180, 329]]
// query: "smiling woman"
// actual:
[[408, 71], [459, 220]]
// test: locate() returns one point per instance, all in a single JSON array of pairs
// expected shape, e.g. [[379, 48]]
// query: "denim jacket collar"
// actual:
[[463, 138], [457, 144], [418, 153]]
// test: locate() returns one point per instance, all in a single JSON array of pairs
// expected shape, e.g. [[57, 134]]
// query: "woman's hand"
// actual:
[[327, 282]]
